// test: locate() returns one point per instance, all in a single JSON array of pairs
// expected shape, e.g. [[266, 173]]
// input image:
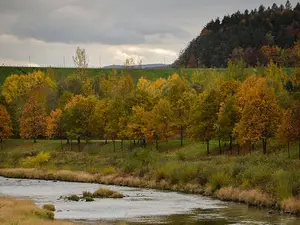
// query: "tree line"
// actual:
[[240, 107], [255, 36]]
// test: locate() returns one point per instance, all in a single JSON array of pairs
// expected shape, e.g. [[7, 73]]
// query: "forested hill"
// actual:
[[254, 36]]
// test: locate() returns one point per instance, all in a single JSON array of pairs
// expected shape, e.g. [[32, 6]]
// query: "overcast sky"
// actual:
[[45, 32]]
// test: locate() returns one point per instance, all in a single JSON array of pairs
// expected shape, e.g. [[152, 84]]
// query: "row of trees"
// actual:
[[224, 106], [247, 35]]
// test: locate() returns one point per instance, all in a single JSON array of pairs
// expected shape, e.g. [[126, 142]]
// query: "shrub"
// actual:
[[73, 198], [291, 205], [108, 170], [44, 214], [87, 194], [36, 161], [219, 180], [89, 199], [49, 207], [181, 156], [106, 193]]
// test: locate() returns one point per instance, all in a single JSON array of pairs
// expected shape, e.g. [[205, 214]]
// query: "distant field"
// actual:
[[63, 72], [151, 74]]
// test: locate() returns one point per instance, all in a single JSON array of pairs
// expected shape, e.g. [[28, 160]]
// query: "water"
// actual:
[[140, 206]]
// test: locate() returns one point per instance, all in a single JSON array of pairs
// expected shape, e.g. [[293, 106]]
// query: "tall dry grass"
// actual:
[[25, 212]]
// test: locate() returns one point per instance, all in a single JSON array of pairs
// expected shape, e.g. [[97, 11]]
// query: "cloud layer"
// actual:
[[49, 31]]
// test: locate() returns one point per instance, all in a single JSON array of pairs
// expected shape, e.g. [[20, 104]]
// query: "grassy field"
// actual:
[[268, 181], [63, 72]]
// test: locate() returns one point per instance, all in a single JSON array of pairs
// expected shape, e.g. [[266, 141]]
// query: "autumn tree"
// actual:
[[203, 117], [162, 120], [259, 112], [227, 119], [287, 131], [178, 92], [5, 125], [76, 117], [99, 119], [289, 128], [33, 119], [54, 125]]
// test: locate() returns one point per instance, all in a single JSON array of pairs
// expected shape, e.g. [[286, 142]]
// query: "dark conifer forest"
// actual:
[[255, 37]]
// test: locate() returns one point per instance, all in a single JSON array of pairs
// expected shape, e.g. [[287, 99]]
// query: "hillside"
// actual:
[[255, 36]]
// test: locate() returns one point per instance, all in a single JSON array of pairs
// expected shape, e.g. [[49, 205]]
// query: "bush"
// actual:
[[181, 156], [108, 170], [87, 194], [44, 214], [106, 193], [73, 198], [49, 207], [219, 180], [36, 161], [89, 199]]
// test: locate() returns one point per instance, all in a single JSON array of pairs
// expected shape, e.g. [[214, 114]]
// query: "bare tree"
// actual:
[[80, 59]]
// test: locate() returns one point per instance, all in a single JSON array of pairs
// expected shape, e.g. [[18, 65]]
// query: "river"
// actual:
[[140, 206]]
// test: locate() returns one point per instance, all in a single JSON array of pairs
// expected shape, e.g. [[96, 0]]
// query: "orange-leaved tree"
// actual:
[[54, 125], [33, 119], [5, 124], [259, 111], [289, 129]]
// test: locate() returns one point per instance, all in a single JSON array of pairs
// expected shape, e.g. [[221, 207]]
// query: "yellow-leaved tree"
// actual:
[[259, 111]]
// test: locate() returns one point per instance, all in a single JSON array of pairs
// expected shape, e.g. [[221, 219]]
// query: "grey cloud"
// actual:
[[62, 25]]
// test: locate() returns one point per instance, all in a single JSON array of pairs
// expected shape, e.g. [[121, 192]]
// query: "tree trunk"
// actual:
[[230, 144], [238, 148], [122, 145], [1, 141], [289, 150], [181, 136], [207, 147], [114, 144], [134, 143], [105, 141], [68, 141], [156, 144], [250, 147], [265, 146], [78, 140], [61, 145], [34, 140], [220, 148], [71, 142], [144, 143]]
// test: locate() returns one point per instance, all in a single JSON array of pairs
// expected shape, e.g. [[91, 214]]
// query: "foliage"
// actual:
[[5, 124], [36, 161], [33, 119]]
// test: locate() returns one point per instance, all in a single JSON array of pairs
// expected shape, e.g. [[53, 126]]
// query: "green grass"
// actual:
[[274, 177], [60, 73]]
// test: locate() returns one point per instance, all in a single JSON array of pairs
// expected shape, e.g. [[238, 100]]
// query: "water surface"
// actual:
[[140, 206]]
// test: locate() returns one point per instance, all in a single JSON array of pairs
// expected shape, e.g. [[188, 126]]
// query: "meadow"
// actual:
[[260, 180]]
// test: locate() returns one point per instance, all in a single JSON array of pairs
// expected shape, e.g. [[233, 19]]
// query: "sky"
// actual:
[[47, 32]]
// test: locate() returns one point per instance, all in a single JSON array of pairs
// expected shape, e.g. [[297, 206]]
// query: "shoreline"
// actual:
[[251, 197]]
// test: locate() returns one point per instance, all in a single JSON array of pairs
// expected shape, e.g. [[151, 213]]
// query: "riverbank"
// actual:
[[271, 181], [25, 212], [252, 197]]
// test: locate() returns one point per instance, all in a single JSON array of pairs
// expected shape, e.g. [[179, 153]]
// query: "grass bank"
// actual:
[[271, 180], [25, 212]]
